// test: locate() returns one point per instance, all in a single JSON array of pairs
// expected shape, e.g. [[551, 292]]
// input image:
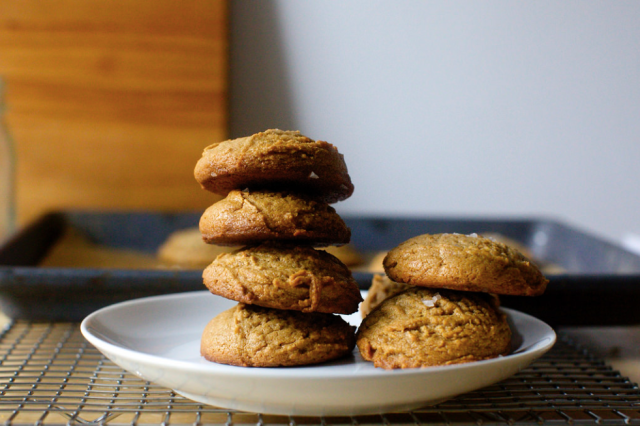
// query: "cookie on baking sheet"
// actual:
[[464, 262], [253, 336], [185, 249], [347, 254], [375, 263], [382, 288], [284, 277], [422, 327], [277, 159], [250, 217]]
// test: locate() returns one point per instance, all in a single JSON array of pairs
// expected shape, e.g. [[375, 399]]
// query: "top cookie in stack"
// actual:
[[278, 186], [277, 160]]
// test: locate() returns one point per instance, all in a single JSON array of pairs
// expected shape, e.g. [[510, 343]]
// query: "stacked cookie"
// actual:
[[438, 303], [278, 186]]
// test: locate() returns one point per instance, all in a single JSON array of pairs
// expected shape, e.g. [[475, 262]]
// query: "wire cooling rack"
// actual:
[[50, 375]]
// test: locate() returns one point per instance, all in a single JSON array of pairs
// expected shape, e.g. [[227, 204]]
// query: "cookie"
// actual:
[[381, 289], [276, 159], [250, 217], [347, 254], [375, 263], [252, 336], [284, 277], [186, 249], [74, 249], [424, 327], [464, 262]]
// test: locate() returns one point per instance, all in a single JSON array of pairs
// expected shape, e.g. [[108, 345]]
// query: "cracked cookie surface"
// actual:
[[464, 262], [284, 277], [252, 336], [424, 327], [250, 217], [282, 160]]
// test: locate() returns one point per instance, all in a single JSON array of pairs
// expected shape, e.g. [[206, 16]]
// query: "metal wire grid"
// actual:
[[50, 375]]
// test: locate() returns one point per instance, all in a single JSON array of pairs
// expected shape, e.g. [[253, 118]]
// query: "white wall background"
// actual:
[[462, 108]]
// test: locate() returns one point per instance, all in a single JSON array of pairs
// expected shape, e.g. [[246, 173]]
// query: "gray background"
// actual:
[[457, 108]]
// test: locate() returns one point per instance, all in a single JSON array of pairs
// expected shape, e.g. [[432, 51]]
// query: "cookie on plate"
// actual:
[[253, 336], [423, 327], [277, 159], [464, 262], [250, 217], [284, 277]]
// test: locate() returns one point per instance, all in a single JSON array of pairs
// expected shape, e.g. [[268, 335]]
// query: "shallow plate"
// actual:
[[158, 339]]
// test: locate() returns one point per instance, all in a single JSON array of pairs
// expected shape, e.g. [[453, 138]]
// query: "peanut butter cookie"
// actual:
[[277, 159], [464, 262], [252, 336], [284, 277], [185, 249], [382, 288], [423, 327], [347, 254], [250, 217]]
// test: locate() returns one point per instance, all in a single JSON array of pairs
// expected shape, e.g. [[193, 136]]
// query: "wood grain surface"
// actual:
[[111, 102]]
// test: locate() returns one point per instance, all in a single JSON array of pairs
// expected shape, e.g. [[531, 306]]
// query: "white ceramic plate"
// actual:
[[158, 339]]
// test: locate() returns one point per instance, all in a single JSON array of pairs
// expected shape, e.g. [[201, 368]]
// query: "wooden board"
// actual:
[[111, 102]]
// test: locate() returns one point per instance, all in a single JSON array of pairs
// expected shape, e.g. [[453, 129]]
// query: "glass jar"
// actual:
[[7, 175]]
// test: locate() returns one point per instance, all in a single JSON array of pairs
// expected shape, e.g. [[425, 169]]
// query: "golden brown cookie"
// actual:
[[186, 249], [464, 262], [276, 159], [74, 249], [284, 277], [250, 217], [375, 263], [252, 336], [382, 287], [347, 254], [424, 327]]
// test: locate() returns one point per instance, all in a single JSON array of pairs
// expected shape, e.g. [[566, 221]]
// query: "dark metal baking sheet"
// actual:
[[599, 285]]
